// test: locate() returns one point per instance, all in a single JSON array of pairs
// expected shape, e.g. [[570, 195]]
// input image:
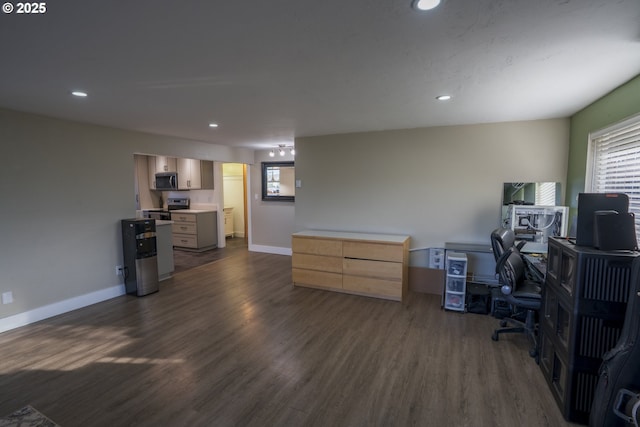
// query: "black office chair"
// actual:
[[503, 239], [521, 294]]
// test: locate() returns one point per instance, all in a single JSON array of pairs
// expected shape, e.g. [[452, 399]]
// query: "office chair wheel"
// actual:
[[503, 323], [495, 336], [534, 353]]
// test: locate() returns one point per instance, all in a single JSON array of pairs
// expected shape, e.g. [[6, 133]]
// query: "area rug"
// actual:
[[26, 417]]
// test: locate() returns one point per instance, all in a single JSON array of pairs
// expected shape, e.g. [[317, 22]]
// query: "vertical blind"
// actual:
[[614, 165]]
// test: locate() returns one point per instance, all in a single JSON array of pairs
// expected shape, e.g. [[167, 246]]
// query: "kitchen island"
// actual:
[[195, 229]]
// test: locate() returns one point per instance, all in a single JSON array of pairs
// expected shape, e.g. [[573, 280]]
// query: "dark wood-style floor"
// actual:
[[232, 343], [185, 260]]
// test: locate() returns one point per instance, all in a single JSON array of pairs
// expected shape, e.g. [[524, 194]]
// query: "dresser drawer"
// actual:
[[185, 240], [317, 246], [183, 217], [374, 251], [184, 227], [319, 279], [317, 262], [389, 289], [375, 269]]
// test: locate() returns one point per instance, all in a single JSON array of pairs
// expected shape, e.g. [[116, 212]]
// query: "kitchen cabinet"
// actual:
[[374, 265], [195, 229], [228, 222], [160, 164], [194, 174], [166, 164]]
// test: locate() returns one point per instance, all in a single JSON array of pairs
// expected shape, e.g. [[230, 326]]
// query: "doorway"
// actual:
[[234, 177]]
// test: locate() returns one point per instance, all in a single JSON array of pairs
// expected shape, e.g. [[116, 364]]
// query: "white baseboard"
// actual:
[[276, 250], [44, 312]]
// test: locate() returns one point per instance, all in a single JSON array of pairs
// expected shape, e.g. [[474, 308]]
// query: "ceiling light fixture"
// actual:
[[79, 94], [425, 4], [443, 97], [213, 125], [281, 150]]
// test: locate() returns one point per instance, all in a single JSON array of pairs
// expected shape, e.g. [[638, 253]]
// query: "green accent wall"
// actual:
[[619, 104]]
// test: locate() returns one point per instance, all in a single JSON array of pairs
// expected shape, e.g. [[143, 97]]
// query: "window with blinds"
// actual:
[[613, 163], [545, 193]]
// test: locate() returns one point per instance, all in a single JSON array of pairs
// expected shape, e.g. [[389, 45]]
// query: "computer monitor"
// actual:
[[588, 204]]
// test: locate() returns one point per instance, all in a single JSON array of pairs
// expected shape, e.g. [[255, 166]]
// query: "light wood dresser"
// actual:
[[374, 265]]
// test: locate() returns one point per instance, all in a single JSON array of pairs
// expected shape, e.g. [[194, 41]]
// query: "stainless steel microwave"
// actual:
[[167, 181]]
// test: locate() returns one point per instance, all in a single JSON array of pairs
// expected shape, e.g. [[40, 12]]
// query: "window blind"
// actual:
[[615, 163], [546, 193]]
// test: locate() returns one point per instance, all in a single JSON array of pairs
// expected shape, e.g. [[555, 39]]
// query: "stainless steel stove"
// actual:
[[173, 204], [157, 214], [177, 203]]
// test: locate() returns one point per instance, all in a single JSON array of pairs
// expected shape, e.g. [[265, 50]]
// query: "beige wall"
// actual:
[[65, 186], [271, 222], [436, 184]]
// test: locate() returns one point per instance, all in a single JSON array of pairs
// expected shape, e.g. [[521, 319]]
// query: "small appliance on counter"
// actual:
[[140, 256]]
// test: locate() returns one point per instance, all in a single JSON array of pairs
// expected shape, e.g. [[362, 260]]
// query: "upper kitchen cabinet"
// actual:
[[160, 164], [195, 174], [166, 164]]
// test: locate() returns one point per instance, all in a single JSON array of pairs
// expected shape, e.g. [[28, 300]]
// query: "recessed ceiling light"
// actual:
[[443, 97], [425, 4], [213, 125], [79, 93]]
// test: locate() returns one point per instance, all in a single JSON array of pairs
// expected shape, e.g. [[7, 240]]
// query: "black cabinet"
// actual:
[[583, 306]]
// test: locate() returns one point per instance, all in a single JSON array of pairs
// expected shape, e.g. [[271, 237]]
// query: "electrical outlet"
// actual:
[[119, 270], [7, 297]]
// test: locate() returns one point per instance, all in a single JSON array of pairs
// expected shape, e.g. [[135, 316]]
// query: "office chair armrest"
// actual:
[[520, 244], [502, 259]]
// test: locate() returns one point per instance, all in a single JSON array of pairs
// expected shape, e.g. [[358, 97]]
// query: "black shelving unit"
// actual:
[[583, 307]]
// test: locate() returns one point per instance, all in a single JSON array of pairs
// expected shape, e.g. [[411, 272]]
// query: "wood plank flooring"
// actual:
[[233, 343], [186, 260]]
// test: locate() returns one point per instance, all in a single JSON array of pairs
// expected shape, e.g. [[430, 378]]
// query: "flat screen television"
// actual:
[[588, 204]]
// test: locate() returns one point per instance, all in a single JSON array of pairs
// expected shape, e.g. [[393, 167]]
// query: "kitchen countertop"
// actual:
[[193, 211]]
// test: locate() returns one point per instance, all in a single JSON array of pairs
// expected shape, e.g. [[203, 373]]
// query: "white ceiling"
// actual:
[[268, 71]]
